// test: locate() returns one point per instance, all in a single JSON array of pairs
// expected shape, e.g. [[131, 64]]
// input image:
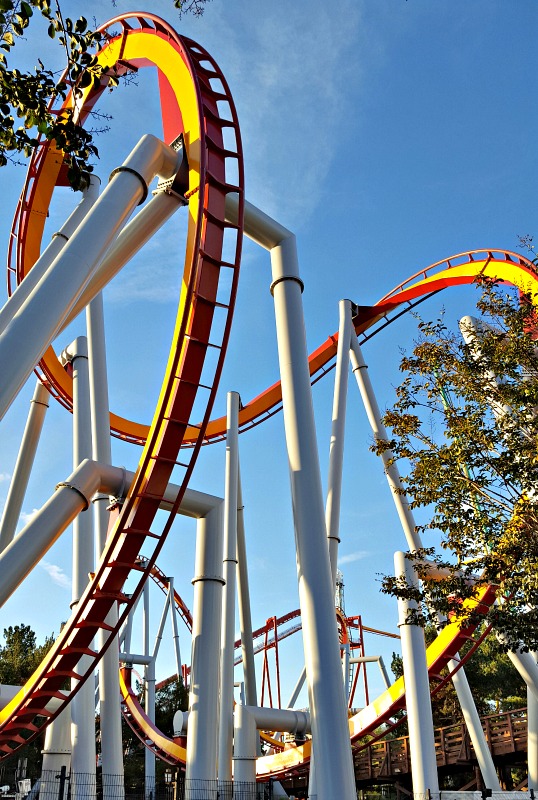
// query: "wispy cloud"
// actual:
[[289, 90], [4, 476], [358, 555], [26, 516], [57, 574]]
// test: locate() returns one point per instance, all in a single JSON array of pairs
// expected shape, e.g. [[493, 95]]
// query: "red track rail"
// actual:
[[25, 717]]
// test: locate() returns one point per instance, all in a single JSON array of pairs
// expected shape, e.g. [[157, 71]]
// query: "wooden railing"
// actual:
[[506, 733]]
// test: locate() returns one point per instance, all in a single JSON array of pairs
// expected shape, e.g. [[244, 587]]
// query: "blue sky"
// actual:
[[387, 135]]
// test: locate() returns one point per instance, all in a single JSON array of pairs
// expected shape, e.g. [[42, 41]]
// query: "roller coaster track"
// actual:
[[188, 72], [444, 648]]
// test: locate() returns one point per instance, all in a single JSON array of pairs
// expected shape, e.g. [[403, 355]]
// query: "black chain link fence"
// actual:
[[61, 785]]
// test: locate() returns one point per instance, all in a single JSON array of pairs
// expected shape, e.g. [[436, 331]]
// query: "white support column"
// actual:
[[173, 621], [83, 760], [417, 691], [129, 241], [334, 482], [244, 755], [21, 474], [407, 521], [336, 451], [360, 370], [229, 573], [316, 595], [71, 497], [532, 737], [149, 695], [109, 695], [58, 241], [245, 617], [297, 689], [28, 334], [204, 688], [149, 757], [56, 754]]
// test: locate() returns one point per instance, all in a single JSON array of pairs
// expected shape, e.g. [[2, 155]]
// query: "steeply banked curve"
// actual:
[[188, 76]]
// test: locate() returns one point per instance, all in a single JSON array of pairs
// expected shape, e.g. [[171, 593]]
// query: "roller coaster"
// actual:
[[200, 168]]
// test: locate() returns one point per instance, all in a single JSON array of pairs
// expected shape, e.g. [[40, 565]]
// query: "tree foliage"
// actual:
[[26, 95], [21, 654], [465, 421]]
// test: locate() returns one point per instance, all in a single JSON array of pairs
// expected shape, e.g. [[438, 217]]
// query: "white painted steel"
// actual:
[[149, 697], [109, 694], [316, 594], [162, 623], [136, 233], [135, 658], [360, 370], [83, 745], [229, 573], [173, 622], [204, 688], [281, 719], [59, 239], [532, 738], [56, 754], [297, 690], [243, 593], [338, 427], [372, 659], [417, 690], [474, 726], [526, 666], [23, 467], [72, 496], [47, 525], [407, 520], [244, 755], [28, 334]]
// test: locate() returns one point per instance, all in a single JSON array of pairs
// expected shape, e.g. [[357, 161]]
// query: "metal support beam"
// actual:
[[417, 691], [316, 594], [21, 474], [229, 573]]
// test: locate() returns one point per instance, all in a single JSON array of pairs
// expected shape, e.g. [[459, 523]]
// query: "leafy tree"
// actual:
[[169, 699], [21, 654], [465, 421], [19, 657], [25, 95]]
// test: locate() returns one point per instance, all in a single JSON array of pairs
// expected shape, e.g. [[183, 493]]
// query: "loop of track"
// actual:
[[25, 717]]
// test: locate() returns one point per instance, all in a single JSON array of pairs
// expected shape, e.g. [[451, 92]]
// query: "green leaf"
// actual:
[[26, 9], [52, 30]]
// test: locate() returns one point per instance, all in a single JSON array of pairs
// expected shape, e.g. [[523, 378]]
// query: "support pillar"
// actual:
[[417, 691], [229, 572], [532, 738], [201, 772], [245, 617], [83, 759], [21, 474], [109, 695]]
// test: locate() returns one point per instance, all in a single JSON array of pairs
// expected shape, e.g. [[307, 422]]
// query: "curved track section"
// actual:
[[188, 76], [438, 654], [463, 268]]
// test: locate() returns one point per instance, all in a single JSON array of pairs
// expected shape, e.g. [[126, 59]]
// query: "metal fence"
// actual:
[[61, 785]]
